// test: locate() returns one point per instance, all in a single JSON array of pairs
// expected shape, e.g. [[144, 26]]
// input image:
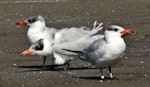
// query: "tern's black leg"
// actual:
[[67, 65], [101, 72], [44, 59], [53, 64], [110, 73]]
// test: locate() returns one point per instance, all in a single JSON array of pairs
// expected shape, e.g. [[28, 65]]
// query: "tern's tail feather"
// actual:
[[80, 53]]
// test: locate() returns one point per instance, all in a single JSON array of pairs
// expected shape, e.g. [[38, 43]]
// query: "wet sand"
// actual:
[[18, 71]]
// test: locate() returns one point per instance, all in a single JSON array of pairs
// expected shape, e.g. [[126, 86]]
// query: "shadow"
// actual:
[[97, 78], [39, 67], [81, 68], [50, 68], [36, 66]]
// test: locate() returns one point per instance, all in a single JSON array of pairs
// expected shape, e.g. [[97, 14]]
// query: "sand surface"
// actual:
[[18, 71]]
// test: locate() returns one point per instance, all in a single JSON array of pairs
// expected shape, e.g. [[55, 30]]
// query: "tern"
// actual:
[[37, 30], [106, 51]]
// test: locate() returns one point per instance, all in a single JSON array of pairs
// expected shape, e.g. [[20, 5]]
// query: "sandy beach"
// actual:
[[27, 71]]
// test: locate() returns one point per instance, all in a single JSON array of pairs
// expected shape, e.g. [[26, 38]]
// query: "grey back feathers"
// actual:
[[93, 51]]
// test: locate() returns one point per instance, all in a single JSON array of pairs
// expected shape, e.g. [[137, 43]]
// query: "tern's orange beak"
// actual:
[[26, 52], [127, 31], [21, 23]]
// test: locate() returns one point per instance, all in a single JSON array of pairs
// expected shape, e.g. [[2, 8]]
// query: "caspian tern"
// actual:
[[37, 30], [106, 51], [70, 38]]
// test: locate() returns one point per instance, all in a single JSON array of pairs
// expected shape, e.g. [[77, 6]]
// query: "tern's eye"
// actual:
[[31, 20], [115, 29]]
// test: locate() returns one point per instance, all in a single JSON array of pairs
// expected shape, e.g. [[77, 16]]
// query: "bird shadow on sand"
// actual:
[[97, 78], [50, 68]]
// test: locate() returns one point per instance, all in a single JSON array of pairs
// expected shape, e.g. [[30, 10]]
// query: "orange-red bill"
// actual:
[[127, 31], [21, 23], [26, 52]]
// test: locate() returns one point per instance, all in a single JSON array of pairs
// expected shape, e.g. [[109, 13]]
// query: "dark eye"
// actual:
[[31, 20], [34, 20], [115, 29]]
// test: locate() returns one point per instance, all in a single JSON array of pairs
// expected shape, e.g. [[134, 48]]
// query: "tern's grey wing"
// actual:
[[72, 34], [69, 34], [84, 28], [76, 45], [95, 51], [50, 32]]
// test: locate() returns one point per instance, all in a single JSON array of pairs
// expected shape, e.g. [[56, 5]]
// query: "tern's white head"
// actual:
[[31, 21], [115, 30]]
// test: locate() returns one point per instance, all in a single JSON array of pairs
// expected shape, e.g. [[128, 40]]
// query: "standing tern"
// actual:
[[37, 30], [106, 51]]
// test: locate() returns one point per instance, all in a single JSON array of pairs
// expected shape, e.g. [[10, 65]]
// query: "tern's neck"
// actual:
[[110, 34], [115, 42], [38, 26], [113, 37]]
